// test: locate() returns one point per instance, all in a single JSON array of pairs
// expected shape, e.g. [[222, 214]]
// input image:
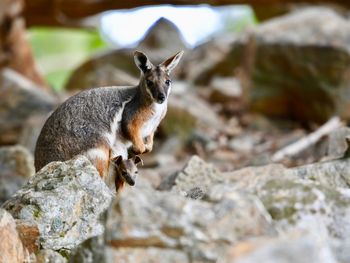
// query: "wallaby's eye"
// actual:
[[167, 82], [124, 173], [149, 83]]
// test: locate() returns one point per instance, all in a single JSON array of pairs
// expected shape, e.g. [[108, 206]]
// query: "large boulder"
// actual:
[[65, 200], [16, 166], [300, 65], [19, 99], [312, 199], [200, 230], [117, 67]]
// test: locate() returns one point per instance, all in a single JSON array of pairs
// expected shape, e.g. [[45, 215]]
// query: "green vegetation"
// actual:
[[237, 23], [58, 51]]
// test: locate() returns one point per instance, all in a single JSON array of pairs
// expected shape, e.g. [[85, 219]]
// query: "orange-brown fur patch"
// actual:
[[134, 127], [119, 182], [102, 165]]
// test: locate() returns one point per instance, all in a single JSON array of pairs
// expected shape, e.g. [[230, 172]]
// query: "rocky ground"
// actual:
[[227, 181]]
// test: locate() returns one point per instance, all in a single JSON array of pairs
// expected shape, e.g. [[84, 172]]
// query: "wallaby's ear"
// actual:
[[171, 62], [137, 160], [118, 160], [142, 61]]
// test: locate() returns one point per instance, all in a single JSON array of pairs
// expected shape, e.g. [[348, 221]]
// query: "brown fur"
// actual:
[[102, 165], [134, 129], [125, 171]]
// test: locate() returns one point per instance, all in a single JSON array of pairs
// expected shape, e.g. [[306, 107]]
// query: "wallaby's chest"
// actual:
[[153, 118]]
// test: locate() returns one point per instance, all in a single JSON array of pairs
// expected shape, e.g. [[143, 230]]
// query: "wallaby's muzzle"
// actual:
[[161, 98]]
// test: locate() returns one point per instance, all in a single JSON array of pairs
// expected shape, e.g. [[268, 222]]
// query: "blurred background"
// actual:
[[265, 74], [260, 82]]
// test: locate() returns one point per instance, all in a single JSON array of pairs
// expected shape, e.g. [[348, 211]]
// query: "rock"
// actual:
[[338, 143], [65, 200], [288, 68], [314, 198], [19, 99], [196, 174], [294, 247], [148, 255], [162, 40], [11, 247], [31, 130], [16, 166], [15, 49], [16, 160], [47, 255], [201, 229], [209, 60], [185, 107], [91, 251], [225, 90], [29, 235], [226, 93], [330, 174], [117, 67], [296, 202]]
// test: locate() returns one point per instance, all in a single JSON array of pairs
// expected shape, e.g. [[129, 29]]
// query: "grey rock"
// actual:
[[333, 173], [31, 130], [147, 255], [300, 65], [185, 107], [90, 251], [338, 143], [201, 229], [65, 200], [303, 199], [291, 248], [117, 67], [16, 166], [50, 256], [225, 90], [196, 174], [164, 38], [19, 99], [208, 60]]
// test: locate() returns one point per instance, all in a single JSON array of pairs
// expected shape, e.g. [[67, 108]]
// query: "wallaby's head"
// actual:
[[126, 170], [155, 80]]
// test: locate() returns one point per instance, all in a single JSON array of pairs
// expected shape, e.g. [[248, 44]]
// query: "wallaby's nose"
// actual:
[[161, 98]]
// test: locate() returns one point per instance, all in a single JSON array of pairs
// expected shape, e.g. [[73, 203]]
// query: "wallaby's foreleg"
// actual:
[[134, 130], [149, 142]]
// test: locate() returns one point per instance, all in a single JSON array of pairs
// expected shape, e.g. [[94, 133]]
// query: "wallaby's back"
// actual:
[[80, 124]]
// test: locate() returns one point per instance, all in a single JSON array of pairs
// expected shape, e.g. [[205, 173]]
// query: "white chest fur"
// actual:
[[152, 123]]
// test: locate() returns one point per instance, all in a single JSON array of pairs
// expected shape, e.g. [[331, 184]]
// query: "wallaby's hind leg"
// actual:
[[99, 157]]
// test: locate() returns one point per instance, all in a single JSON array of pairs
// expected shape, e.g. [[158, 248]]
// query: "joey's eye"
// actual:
[[124, 173], [167, 82], [149, 83]]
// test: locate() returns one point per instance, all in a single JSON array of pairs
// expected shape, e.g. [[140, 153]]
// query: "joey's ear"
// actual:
[[171, 62], [142, 61], [118, 160], [137, 160]]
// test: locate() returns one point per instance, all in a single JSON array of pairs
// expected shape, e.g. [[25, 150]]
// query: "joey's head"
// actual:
[[126, 170], [155, 80]]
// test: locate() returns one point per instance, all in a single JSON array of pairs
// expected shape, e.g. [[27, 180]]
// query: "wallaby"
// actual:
[[125, 171], [102, 123]]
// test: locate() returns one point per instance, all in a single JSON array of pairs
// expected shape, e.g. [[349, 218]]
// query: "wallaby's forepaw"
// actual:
[[148, 148], [139, 150]]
